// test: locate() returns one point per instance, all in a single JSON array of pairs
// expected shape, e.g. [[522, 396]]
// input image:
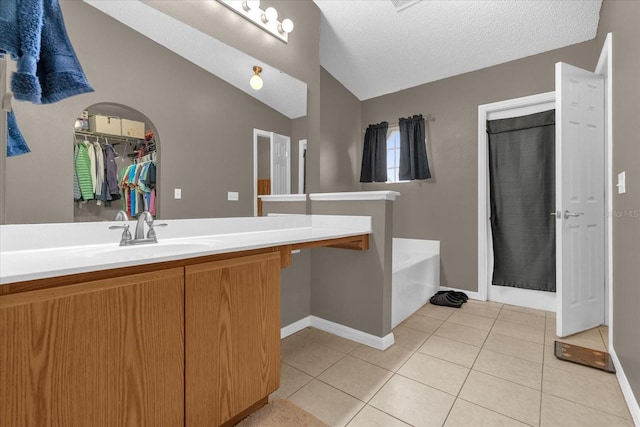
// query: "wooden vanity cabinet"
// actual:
[[232, 336], [98, 353]]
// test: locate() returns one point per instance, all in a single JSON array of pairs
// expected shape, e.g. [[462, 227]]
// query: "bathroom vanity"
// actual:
[[185, 332]]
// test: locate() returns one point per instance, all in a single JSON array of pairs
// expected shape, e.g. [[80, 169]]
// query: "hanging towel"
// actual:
[[16, 144], [33, 33]]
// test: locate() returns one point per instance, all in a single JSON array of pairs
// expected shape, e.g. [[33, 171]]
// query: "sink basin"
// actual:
[[152, 250]]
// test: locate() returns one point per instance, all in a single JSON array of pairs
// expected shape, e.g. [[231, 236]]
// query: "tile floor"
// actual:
[[484, 364]]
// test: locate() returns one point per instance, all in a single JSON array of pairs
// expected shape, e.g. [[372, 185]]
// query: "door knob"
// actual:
[[557, 214], [568, 214]]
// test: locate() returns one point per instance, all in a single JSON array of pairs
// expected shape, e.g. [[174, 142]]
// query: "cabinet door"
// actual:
[[232, 336], [101, 353]]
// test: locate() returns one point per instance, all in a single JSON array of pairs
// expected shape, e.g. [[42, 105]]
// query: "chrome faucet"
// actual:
[[139, 238], [121, 216]]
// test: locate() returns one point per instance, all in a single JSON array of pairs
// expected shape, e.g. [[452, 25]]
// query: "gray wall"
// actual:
[[340, 118], [622, 18], [445, 207]]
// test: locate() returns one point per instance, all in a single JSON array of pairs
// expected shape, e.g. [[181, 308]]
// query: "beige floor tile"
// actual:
[[471, 320], [522, 318], [524, 310], [409, 338], [436, 311], [550, 314], [412, 402], [421, 323], [517, 330], [461, 333], [604, 333], [467, 414], [561, 412], [356, 377], [434, 372], [372, 417], [515, 347], [510, 368], [481, 308], [552, 361], [331, 406], [390, 359], [335, 342], [450, 350], [510, 399], [291, 380], [596, 394], [308, 356]]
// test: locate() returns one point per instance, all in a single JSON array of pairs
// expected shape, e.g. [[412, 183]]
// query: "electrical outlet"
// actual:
[[177, 193], [232, 195]]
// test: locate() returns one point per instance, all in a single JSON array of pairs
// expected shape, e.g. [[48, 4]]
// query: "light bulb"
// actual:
[[250, 4], [286, 26], [256, 82], [271, 14]]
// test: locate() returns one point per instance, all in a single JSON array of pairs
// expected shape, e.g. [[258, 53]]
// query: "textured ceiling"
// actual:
[[372, 49]]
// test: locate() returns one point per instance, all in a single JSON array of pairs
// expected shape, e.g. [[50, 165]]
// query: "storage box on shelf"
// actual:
[[132, 129], [108, 125]]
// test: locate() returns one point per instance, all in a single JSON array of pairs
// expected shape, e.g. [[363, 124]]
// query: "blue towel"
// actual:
[[48, 70], [16, 144]]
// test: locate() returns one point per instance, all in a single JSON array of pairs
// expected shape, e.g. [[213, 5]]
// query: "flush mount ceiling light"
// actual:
[[256, 81], [265, 19]]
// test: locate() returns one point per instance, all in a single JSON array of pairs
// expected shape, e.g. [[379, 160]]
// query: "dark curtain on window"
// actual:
[[522, 183], [413, 151], [374, 154]]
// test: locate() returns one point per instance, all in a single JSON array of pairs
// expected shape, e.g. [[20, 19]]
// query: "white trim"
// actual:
[[379, 343], [302, 148], [284, 197], [627, 391], [256, 133], [294, 327], [605, 68], [484, 111], [355, 195]]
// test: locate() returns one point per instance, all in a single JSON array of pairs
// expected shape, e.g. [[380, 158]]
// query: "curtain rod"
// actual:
[[427, 118]]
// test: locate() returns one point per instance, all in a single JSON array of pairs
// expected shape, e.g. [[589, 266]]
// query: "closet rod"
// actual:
[[109, 137]]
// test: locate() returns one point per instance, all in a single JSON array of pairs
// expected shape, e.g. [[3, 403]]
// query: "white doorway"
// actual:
[[604, 72], [279, 165], [507, 295]]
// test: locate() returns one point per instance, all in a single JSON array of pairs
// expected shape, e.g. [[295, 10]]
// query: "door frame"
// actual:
[[302, 149], [604, 68], [256, 134], [523, 297]]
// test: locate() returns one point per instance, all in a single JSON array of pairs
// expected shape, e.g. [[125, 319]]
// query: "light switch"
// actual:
[[622, 187], [232, 195], [177, 193]]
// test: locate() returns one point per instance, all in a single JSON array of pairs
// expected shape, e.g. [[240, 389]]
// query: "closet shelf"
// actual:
[[126, 139]]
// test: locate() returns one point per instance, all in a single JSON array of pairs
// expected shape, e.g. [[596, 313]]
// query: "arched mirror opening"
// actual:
[[115, 163]]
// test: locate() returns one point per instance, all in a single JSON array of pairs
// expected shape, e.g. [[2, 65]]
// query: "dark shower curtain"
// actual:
[[522, 185]]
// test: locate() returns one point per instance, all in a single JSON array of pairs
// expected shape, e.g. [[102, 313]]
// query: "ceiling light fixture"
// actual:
[[265, 19], [256, 81]]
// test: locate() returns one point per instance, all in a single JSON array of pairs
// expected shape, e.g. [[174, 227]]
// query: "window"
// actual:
[[393, 156]]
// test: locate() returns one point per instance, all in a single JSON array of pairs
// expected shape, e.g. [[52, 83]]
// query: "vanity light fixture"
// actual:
[[256, 81], [265, 19]]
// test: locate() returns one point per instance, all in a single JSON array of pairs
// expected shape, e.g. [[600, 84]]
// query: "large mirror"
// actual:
[[205, 121]]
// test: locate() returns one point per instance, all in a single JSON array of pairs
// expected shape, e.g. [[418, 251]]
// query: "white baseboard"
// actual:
[[379, 343], [629, 397], [294, 327]]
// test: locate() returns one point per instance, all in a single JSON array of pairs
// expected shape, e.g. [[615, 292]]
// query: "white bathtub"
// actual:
[[416, 276]]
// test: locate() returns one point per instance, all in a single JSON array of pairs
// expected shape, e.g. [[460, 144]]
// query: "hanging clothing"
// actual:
[[77, 195], [413, 151], [522, 193], [374, 154], [99, 163], [83, 172], [111, 173]]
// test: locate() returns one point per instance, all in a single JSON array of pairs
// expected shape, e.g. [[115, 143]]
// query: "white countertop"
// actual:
[[37, 251]]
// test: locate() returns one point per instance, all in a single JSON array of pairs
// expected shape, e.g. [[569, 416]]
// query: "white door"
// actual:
[[580, 204], [280, 164]]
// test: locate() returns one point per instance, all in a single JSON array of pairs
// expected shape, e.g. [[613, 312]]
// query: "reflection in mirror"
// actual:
[[115, 163]]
